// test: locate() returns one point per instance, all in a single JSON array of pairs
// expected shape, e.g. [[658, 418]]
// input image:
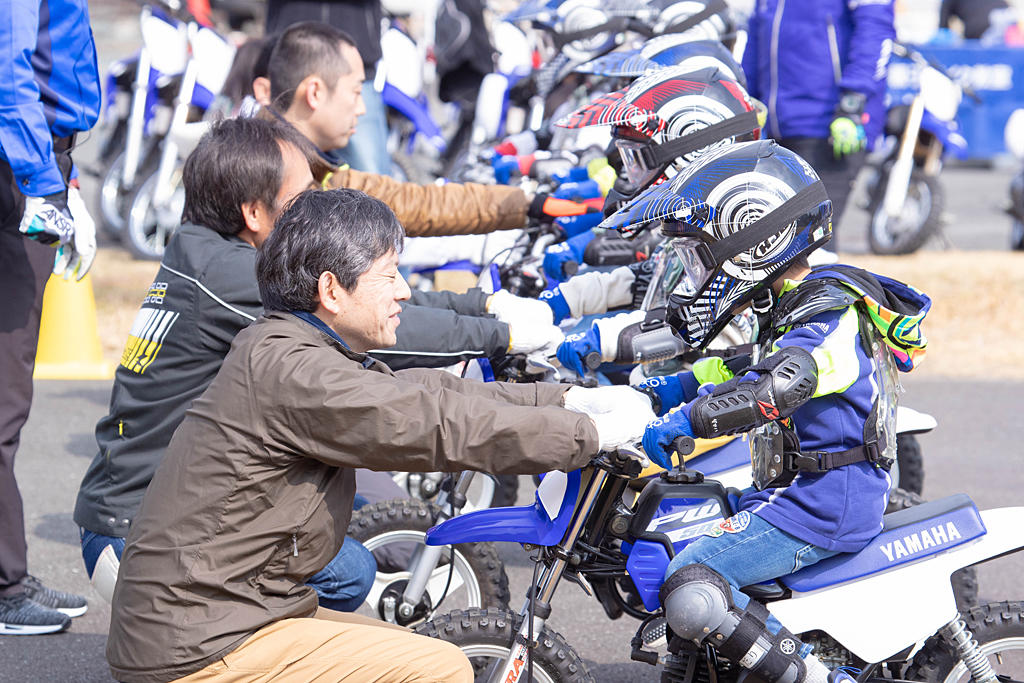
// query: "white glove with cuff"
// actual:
[[620, 413]]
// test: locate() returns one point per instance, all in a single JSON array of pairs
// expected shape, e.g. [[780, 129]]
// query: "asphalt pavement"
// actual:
[[976, 449]]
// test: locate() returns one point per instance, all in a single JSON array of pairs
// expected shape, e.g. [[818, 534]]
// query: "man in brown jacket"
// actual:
[[316, 82], [254, 493]]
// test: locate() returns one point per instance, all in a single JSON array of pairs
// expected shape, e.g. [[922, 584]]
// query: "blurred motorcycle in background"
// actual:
[[905, 198], [1014, 134]]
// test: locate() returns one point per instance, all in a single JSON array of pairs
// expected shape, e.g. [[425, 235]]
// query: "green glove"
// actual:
[[846, 136], [846, 132]]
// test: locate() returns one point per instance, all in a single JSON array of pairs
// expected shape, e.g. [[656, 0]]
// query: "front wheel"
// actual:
[[997, 627], [1017, 236], [486, 638], [918, 220], [394, 531], [150, 225]]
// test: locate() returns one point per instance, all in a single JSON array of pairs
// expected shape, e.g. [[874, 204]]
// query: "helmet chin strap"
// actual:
[[762, 301]]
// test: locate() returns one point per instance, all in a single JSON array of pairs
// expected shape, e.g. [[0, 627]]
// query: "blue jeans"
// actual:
[[367, 149], [751, 552], [342, 585]]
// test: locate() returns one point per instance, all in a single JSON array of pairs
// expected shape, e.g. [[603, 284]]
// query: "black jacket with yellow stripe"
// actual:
[[203, 295]]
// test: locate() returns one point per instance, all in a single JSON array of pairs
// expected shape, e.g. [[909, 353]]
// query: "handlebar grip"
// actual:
[[592, 360], [684, 445], [570, 268]]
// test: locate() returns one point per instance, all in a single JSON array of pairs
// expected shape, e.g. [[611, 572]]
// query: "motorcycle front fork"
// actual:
[[425, 561], [541, 592]]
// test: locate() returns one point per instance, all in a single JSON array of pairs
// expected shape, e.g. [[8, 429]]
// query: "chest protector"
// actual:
[[775, 451]]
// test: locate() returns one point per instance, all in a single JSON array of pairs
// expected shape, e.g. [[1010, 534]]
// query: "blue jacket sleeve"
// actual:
[[25, 138], [870, 45], [750, 55]]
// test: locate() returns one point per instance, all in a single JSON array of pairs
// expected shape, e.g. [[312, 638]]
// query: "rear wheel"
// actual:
[[910, 462], [917, 222], [997, 627], [965, 581], [486, 638]]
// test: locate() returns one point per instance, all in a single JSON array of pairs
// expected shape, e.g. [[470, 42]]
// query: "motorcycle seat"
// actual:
[[907, 536]]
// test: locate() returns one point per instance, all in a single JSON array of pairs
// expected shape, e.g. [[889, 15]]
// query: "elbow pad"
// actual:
[[787, 379]]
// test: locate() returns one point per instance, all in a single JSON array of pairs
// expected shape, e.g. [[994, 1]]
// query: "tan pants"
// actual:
[[334, 646]]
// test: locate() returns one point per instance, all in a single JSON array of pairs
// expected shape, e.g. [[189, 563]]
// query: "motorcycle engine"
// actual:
[[826, 649]]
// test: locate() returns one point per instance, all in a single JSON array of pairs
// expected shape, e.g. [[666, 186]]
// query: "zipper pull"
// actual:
[[295, 546]]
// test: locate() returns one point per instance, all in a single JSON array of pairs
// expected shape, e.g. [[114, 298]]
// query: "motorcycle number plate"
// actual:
[[551, 492]]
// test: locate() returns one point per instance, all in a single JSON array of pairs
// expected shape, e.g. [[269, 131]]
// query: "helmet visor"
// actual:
[[694, 267], [636, 162]]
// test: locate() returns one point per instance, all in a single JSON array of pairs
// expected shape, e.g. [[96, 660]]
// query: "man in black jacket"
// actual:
[[239, 179]]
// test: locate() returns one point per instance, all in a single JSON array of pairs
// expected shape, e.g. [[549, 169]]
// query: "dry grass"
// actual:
[[119, 283], [975, 328]]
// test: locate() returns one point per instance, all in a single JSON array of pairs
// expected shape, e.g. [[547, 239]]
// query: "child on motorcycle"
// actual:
[[819, 392]]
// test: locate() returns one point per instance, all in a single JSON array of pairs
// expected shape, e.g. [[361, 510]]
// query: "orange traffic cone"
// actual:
[[69, 340]]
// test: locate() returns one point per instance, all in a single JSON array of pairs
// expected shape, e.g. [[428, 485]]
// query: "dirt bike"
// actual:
[[592, 527], [905, 199]]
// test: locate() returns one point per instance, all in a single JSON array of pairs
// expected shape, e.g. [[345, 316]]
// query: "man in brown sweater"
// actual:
[[254, 493], [316, 82]]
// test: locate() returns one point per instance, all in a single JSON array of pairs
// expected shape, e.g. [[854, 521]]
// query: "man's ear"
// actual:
[[254, 213], [327, 288], [312, 90]]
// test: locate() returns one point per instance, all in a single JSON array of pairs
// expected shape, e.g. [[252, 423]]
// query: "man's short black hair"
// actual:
[[236, 162], [308, 48], [342, 231]]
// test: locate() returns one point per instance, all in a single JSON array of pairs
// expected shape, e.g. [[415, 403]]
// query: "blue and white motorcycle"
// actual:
[[889, 611], [905, 199]]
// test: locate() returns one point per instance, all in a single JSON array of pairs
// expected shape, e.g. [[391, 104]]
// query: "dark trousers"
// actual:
[[25, 266], [836, 174]]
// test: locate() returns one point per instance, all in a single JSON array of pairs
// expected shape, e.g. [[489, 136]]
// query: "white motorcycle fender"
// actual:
[[910, 421], [879, 615], [104, 576]]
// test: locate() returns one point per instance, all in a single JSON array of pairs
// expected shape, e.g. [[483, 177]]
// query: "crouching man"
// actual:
[[255, 491]]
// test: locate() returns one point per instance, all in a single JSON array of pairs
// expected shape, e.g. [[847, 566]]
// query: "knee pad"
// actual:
[[699, 608], [696, 600]]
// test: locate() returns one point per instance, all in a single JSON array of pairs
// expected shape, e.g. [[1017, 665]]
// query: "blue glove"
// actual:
[[577, 225], [574, 174], [577, 191], [556, 300], [669, 391], [660, 434], [570, 251], [572, 352]]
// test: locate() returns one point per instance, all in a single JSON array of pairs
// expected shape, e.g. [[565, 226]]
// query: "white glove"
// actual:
[[76, 259], [620, 413], [533, 338], [517, 310], [598, 292]]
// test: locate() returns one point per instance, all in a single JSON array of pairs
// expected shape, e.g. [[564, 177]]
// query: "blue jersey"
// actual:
[[840, 509], [801, 54], [51, 86]]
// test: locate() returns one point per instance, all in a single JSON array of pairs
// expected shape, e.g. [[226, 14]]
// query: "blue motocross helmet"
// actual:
[[735, 219], [665, 51]]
